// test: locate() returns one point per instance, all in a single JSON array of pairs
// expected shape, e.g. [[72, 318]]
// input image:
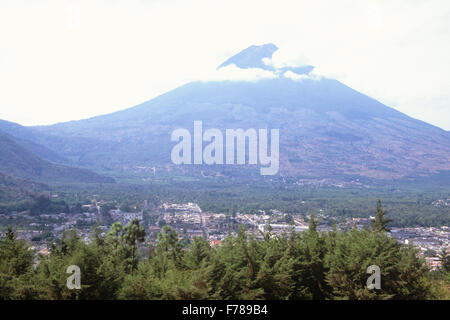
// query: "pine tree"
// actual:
[[444, 256], [132, 234], [380, 223]]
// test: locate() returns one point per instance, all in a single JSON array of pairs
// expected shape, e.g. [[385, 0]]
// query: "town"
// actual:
[[190, 221]]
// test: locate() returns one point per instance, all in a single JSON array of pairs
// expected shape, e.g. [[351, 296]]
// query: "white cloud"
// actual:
[[295, 76], [233, 73], [288, 56]]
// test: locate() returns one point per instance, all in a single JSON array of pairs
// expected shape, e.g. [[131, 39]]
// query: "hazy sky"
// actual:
[[70, 59]]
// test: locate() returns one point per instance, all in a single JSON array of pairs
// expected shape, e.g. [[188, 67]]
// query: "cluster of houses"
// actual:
[[190, 221]]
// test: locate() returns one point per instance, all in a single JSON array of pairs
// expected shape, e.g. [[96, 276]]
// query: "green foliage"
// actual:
[[43, 205], [409, 207], [307, 265], [15, 266], [101, 272], [444, 256], [403, 274], [380, 223]]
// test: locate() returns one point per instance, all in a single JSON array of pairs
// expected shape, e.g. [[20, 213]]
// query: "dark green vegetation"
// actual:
[[408, 206], [310, 265], [17, 194], [15, 189]]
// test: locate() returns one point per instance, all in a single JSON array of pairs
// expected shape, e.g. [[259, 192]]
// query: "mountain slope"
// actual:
[[252, 57], [18, 161], [65, 150], [326, 128], [13, 189]]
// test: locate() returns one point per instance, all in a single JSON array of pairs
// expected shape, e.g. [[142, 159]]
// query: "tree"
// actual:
[[15, 256], [307, 254], [124, 240], [41, 205], [16, 262], [444, 256], [133, 233], [403, 274], [103, 268], [380, 223], [169, 247], [199, 251], [306, 265]]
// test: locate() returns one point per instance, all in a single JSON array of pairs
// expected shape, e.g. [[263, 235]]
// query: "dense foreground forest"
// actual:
[[307, 265]]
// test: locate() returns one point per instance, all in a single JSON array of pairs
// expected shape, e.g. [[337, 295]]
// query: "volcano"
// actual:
[[327, 129]]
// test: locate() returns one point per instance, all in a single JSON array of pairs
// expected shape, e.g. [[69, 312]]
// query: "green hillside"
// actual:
[[14, 189], [17, 161]]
